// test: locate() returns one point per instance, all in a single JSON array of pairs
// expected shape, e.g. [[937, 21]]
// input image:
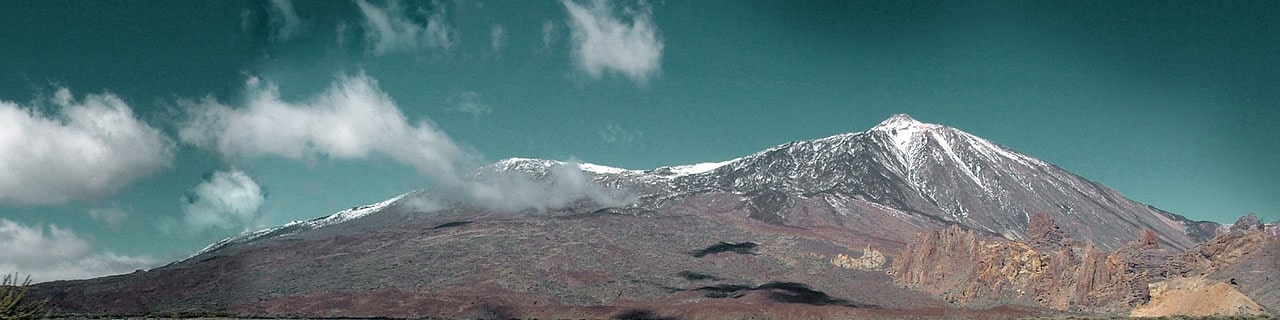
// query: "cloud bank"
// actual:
[[628, 45], [226, 200], [58, 254], [354, 119], [392, 29], [86, 149], [539, 185]]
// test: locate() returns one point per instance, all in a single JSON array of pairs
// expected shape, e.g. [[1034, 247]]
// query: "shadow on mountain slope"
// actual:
[[739, 248], [785, 292]]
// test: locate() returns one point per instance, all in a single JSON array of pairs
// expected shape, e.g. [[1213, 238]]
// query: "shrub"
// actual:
[[11, 304]]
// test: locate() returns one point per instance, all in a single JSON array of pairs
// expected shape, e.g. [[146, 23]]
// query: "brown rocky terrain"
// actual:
[[1246, 256], [557, 265], [1196, 297], [1053, 270]]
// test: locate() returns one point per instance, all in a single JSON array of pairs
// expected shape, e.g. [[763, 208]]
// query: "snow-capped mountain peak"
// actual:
[[898, 121], [905, 132]]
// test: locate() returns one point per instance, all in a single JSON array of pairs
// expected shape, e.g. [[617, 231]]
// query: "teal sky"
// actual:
[[1172, 103]]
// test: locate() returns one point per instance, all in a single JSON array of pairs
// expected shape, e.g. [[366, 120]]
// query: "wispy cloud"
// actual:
[[284, 20], [59, 254], [87, 149], [112, 216], [497, 37], [548, 34], [391, 28], [628, 44], [354, 119], [340, 34], [226, 200], [469, 102], [614, 133]]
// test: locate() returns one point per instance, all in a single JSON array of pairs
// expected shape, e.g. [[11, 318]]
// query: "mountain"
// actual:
[[945, 175], [801, 228]]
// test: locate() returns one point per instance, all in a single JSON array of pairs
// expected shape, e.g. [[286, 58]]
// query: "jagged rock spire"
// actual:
[[1248, 222]]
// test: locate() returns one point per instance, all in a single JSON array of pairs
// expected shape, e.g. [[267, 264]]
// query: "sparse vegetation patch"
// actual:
[[12, 304]]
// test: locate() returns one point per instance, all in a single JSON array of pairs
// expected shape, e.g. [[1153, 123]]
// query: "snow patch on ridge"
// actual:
[[699, 167], [296, 226], [595, 168], [351, 214], [528, 164], [663, 172], [991, 150], [964, 166]]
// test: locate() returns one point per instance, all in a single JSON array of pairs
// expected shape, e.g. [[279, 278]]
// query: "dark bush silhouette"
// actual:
[[488, 311], [739, 248]]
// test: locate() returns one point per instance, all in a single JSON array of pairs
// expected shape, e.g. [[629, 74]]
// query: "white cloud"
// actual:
[[605, 43], [112, 216], [226, 199], [87, 149], [548, 33], [354, 119], [390, 29], [497, 36], [613, 133], [58, 254], [469, 102], [284, 20]]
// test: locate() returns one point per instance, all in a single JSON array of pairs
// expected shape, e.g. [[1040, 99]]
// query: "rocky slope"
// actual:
[[1196, 296], [802, 226], [1052, 269]]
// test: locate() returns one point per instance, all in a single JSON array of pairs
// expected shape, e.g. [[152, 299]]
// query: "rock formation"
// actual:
[[871, 259], [1247, 257], [1052, 270]]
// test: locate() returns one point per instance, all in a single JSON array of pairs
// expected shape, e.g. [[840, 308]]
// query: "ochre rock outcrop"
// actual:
[[1052, 270], [871, 259], [1196, 296]]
